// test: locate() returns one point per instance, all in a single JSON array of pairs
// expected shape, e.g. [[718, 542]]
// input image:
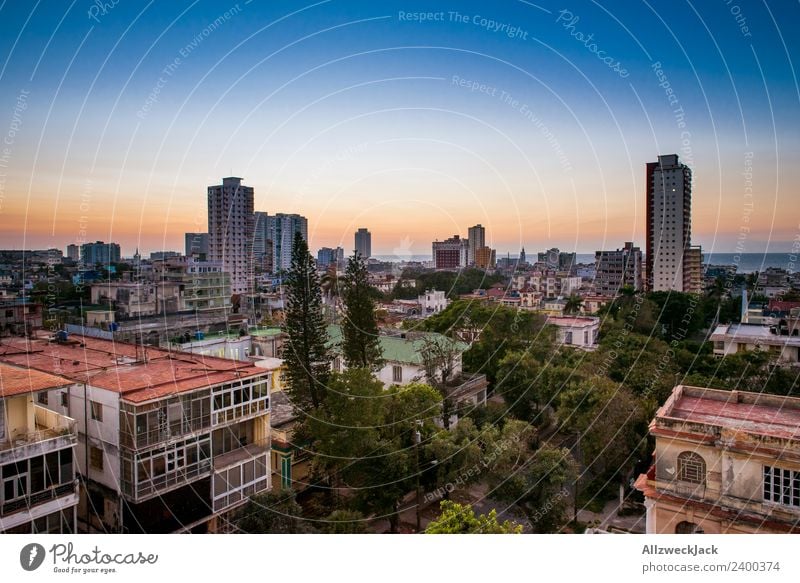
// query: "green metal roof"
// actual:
[[264, 331], [397, 349]]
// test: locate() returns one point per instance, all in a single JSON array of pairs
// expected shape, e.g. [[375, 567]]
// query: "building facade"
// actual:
[[671, 261], [451, 253], [476, 237], [195, 244], [724, 462], [281, 230], [39, 491], [99, 252], [485, 258], [230, 230], [617, 269], [363, 243], [74, 252], [167, 441]]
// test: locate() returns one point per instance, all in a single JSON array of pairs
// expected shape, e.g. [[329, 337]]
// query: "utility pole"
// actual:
[[417, 440]]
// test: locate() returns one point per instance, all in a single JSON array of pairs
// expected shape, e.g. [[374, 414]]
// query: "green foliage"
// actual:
[[461, 519], [345, 522], [453, 283], [360, 343], [304, 350], [274, 512]]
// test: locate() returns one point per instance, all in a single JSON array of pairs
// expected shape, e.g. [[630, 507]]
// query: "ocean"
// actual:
[[744, 262]]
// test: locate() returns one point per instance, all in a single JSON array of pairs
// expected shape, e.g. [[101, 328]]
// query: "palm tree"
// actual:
[[573, 305]]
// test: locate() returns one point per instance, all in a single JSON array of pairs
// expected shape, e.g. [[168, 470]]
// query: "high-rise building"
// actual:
[[671, 262], [280, 230], [476, 236], [328, 256], [364, 243], [262, 244], [450, 253], [74, 252], [195, 244], [99, 252], [230, 230], [485, 258], [617, 269]]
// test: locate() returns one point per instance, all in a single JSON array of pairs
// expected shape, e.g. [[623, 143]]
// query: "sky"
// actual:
[[413, 119]]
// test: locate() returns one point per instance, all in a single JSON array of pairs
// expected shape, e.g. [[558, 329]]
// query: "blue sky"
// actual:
[[358, 114]]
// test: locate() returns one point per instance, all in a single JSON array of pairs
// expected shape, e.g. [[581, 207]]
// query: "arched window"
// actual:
[[691, 468], [688, 528]]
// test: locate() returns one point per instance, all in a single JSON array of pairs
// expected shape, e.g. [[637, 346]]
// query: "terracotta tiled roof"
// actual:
[[16, 380], [138, 374]]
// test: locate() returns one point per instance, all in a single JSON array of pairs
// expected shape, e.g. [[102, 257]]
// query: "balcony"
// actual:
[[51, 432], [239, 474]]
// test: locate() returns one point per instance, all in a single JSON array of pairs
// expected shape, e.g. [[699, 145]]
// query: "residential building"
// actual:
[[724, 462], [230, 231], [671, 261], [476, 237], [363, 242], [202, 285], [19, 316], [281, 230], [782, 341], [196, 244], [99, 252], [451, 253], [432, 302], [167, 441], [576, 331], [485, 258], [74, 252], [138, 299], [37, 455], [617, 269], [328, 256], [161, 255]]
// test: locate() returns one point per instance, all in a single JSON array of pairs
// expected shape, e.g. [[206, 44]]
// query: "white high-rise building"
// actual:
[[230, 231], [477, 238], [364, 243], [669, 227], [280, 230]]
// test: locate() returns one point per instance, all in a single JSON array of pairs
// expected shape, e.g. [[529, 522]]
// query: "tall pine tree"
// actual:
[[361, 347], [305, 351]]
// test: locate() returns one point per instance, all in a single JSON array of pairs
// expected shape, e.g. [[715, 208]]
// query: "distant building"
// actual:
[[160, 255], [672, 264], [328, 256], [281, 230], [37, 454], [202, 285], [262, 244], [230, 230], [432, 302], [451, 253], [725, 462], [74, 252], [576, 331], [476, 236], [363, 243], [617, 269], [485, 258], [195, 244], [19, 316], [782, 341], [99, 252]]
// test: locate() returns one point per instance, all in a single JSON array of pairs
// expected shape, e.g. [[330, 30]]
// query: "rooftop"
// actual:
[[137, 373], [752, 332], [573, 321], [398, 349], [740, 411], [16, 380]]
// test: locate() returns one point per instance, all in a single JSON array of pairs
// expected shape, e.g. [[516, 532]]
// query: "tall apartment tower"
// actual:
[[450, 253], [280, 230], [195, 244], [230, 230], [617, 269], [364, 243], [670, 259], [476, 236]]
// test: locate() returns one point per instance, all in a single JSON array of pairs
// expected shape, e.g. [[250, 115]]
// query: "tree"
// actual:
[[273, 513], [538, 487], [460, 519], [345, 522], [440, 357], [573, 305], [304, 351], [456, 453], [361, 345]]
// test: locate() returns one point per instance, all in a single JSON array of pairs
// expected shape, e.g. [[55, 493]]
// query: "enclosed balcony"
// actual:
[[33, 430]]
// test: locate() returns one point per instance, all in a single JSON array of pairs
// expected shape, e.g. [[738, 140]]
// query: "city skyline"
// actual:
[[380, 115]]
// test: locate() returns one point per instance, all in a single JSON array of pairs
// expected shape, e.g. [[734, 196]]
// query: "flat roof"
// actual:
[[572, 320], [753, 332], [15, 380], [755, 413], [122, 367]]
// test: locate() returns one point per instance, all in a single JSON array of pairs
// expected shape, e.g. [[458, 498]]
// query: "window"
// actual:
[[691, 468], [97, 411], [782, 486], [42, 398], [96, 458], [65, 399], [397, 373]]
